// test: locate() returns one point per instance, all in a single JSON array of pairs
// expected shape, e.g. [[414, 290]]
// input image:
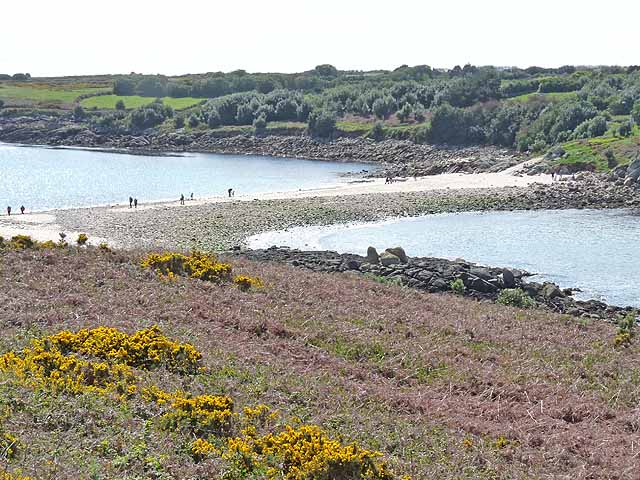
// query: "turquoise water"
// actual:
[[45, 178], [595, 250]]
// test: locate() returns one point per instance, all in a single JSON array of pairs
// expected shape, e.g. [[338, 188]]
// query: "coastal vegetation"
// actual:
[[109, 370], [533, 110]]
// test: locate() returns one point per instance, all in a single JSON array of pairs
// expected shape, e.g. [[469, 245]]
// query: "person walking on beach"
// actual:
[[230, 191], [182, 199], [130, 202], [191, 195], [135, 203], [9, 211], [22, 209]]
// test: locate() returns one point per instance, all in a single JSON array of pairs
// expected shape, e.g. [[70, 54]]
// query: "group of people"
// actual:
[[182, 198], [133, 202], [22, 209], [388, 180]]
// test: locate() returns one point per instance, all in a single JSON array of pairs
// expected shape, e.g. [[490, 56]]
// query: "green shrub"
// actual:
[[515, 297], [626, 330], [458, 286]]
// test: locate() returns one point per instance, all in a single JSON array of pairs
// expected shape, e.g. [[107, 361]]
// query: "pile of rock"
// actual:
[[438, 275]]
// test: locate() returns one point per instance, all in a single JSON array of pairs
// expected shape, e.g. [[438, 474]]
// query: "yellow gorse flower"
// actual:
[[244, 282], [58, 362], [196, 265]]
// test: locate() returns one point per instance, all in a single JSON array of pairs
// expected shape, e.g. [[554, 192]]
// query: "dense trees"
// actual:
[[529, 108], [322, 123]]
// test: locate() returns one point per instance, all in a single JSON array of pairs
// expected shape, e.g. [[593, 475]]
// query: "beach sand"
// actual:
[[46, 226]]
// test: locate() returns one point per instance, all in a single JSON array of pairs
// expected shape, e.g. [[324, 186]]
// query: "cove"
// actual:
[[597, 251], [43, 178]]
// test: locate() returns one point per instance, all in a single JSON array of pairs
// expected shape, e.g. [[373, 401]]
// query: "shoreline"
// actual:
[[220, 223], [225, 224]]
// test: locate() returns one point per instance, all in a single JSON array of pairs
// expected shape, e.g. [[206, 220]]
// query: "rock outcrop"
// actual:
[[436, 275]]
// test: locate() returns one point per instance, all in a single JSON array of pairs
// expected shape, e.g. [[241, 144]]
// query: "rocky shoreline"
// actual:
[[436, 275], [397, 157]]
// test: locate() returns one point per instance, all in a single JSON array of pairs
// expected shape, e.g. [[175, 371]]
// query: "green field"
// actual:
[[44, 93], [351, 126], [106, 102], [592, 150], [553, 96]]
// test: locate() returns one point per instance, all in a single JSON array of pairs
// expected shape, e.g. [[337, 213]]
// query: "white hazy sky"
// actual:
[[71, 37]]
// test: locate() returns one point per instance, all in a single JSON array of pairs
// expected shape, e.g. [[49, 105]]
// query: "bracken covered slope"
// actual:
[[442, 386]]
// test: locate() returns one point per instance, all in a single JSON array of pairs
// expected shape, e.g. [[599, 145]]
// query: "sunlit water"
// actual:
[[45, 178], [595, 250]]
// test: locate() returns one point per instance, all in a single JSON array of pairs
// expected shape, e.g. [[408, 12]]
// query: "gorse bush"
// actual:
[[82, 239], [515, 297], [25, 242], [244, 282], [195, 265], [626, 330], [104, 361], [198, 265], [66, 361]]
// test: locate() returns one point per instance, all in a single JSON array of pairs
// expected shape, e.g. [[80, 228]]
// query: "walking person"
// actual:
[[182, 199], [191, 195], [230, 191], [130, 202], [9, 211], [22, 209], [135, 203]]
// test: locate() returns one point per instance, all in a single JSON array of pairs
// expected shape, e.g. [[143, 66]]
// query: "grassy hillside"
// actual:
[[593, 151], [441, 386]]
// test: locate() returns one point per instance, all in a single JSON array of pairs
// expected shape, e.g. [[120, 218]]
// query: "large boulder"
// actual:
[[633, 171], [483, 273], [398, 252], [387, 258], [551, 291], [372, 256]]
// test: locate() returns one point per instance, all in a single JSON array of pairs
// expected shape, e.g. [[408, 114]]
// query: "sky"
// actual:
[[73, 37]]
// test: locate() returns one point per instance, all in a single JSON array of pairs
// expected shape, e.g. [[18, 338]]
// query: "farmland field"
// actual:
[[45, 93], [104, 102]]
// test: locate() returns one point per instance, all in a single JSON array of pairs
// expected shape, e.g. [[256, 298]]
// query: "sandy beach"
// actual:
[[221, 223], [45, 226]]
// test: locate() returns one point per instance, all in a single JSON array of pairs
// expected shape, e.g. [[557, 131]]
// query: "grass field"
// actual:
[[592, 150], [554, 96], [444, 387], [45, 93], [352, 126], [108, 102]]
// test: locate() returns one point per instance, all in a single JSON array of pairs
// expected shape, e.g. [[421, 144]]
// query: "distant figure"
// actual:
[[9, 211], [230, 191], [130, 202], [553, 176], [22, 209], [191, 195], [182, 199], [135, 203]]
